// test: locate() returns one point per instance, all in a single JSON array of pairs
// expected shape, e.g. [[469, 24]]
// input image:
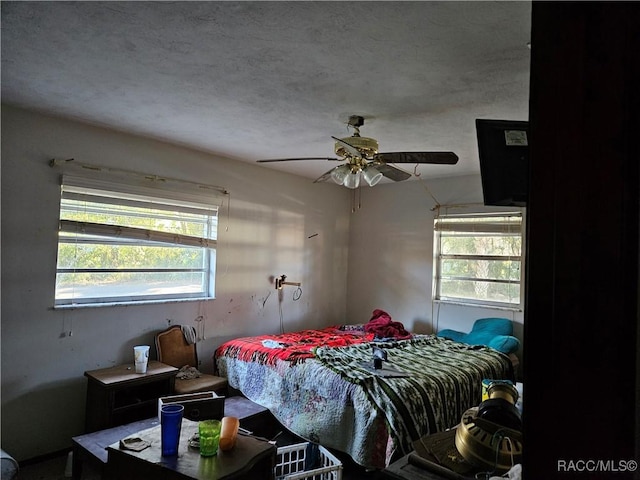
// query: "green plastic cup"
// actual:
[[209, 432]]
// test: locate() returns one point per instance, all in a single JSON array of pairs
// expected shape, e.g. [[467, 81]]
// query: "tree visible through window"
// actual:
[[123, 247], [479, 259]]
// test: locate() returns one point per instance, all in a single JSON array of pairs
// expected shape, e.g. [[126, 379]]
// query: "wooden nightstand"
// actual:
[[118, 395]]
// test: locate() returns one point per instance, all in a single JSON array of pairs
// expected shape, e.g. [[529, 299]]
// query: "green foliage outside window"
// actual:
[[479, 259], [132, 247]]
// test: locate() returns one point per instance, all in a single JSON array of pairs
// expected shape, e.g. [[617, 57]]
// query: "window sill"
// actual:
[[462, 303], [74, 306]]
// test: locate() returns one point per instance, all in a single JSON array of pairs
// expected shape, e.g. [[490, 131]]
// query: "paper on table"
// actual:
[[134, 443]]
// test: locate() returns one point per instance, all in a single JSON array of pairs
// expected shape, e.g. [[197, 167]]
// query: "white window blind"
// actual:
[[478, 259], [125, 242]]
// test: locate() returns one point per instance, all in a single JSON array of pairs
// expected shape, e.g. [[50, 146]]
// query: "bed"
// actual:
[[321, 385]]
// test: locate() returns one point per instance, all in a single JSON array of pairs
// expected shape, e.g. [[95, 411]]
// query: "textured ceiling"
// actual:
[[255, 80]]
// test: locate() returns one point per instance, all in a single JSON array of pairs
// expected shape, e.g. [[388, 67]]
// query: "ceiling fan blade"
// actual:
[[348, 147], [440, 158], [325, 176], [297, 159], [392, 173]]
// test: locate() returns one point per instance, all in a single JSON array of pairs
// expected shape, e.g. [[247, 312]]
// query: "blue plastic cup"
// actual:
[[170, 426]]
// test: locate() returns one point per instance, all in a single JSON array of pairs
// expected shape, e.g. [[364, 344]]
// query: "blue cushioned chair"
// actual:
[[496, 333]]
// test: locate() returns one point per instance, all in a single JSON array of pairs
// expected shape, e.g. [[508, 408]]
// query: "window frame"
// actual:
[[204, 205], [438, 257]]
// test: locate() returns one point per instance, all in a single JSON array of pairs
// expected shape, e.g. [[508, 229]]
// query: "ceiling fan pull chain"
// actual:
[[356, 197]]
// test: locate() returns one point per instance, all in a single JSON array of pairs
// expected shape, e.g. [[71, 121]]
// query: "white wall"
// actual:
[[270, 219], [391, 255], [378, 257]]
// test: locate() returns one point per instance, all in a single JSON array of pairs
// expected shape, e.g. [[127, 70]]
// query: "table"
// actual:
[[92, 447], [118, 395], [249, 459]]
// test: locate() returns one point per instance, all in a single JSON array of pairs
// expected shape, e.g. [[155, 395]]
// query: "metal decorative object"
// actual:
[[491, 444]]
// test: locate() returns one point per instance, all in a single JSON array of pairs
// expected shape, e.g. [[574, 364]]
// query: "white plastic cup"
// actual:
[[141, 358]]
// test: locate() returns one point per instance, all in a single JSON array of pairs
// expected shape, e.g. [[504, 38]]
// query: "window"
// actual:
[[478, 259], [115, 246]]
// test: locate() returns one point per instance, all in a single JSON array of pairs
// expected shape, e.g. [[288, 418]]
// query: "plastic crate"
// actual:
[[307, 461]]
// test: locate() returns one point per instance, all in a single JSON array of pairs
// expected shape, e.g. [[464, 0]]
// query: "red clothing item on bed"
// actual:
[[382, 326], [293, 347]]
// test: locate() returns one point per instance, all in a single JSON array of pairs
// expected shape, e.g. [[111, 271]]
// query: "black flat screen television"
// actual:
[[503, 147]]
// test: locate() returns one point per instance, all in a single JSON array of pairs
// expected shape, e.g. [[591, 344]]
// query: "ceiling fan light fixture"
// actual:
[[371, 175], [352, 180], [339, 174], [364, 160]]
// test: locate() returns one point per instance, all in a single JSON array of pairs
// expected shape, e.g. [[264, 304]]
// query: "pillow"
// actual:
[[492, 332], [504, 343], [452, 335]]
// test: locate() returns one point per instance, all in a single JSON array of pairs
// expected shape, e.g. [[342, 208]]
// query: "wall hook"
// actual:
[[281, 281]]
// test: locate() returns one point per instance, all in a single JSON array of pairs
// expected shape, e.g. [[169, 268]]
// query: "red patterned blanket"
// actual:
[[293, 347]]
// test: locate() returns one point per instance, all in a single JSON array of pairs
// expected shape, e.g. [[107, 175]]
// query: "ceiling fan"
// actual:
[[363, 160]]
